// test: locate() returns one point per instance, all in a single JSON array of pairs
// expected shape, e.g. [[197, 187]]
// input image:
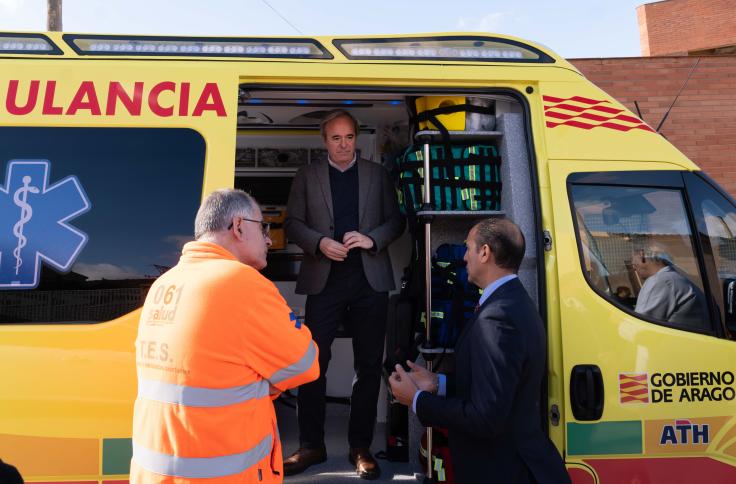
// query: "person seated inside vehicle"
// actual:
[[667, 294]]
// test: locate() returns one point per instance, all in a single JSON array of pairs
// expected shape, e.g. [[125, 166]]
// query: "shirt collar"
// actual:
[[495, 285], [198, 249], [339, 168]]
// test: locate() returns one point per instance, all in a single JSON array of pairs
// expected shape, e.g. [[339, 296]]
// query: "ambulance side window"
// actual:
[[716, 219], [637, 251], [90, 217]]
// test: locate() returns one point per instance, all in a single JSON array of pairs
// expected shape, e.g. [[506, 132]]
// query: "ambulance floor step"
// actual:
[[337, 469]]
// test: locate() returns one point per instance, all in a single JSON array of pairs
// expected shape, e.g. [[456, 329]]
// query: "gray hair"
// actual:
[[333, 115], [219, 209], [505, 240]]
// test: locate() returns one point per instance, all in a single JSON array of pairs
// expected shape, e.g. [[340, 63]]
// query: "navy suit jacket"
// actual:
[[492, 411]]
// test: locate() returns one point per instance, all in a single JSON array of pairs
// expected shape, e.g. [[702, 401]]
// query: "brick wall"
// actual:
[[682, 26], [702, 124]]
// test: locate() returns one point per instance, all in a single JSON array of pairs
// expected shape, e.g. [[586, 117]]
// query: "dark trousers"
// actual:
[[349, 300]]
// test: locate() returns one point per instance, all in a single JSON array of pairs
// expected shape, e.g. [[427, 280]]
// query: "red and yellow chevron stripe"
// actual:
[[585, 113], [633, 388]]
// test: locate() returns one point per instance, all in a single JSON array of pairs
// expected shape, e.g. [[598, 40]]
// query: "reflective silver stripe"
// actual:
[[201, 467], [304, 363], [198, 396]]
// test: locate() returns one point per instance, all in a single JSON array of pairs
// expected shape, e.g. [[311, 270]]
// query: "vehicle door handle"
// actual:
[[586, 392]]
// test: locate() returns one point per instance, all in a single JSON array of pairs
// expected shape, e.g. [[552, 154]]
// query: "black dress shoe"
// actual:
[[365, 465], [300, 460]]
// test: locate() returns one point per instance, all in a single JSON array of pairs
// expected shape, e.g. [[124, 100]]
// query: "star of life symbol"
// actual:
[[33, 223]]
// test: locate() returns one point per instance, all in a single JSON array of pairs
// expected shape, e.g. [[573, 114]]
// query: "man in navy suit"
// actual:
[[491, 407]]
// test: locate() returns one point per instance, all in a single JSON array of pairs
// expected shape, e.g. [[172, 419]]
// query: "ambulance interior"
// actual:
[[278, 132]]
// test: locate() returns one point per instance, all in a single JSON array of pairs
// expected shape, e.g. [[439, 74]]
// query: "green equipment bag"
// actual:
[[466, 178]]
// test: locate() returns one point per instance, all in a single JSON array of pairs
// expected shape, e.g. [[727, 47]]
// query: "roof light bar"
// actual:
[[27, 44], [108, 45], [450, 48]]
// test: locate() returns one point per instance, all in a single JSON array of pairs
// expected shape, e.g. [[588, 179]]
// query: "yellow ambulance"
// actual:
[[109, 142]]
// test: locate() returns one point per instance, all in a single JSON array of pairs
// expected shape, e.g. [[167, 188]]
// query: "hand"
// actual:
[[333, 249], [423, 378], [403, 387], [356, 239]]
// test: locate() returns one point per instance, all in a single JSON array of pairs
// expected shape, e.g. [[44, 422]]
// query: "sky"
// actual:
[[571, 28]]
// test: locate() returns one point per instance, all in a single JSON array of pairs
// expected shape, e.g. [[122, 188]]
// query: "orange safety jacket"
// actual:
[[215, 342]]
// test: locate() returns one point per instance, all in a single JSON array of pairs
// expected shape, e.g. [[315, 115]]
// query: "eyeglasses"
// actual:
[[265, 226]]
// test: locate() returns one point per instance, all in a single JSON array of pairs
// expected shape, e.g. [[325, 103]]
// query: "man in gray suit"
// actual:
[[343, 213], [666, 294]]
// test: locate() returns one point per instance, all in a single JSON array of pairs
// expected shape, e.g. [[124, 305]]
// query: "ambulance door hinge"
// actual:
[[554, 415], [547, 241]]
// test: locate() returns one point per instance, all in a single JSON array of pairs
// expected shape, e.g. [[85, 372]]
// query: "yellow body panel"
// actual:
[[72, 386], [589, 329]]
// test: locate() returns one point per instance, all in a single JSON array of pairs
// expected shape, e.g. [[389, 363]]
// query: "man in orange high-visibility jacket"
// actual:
[[216, 342]]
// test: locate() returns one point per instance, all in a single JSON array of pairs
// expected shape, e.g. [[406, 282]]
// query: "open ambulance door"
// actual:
[[648, 367]]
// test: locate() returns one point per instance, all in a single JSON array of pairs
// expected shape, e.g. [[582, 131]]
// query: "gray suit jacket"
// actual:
[[670, 296], [309, 217]]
